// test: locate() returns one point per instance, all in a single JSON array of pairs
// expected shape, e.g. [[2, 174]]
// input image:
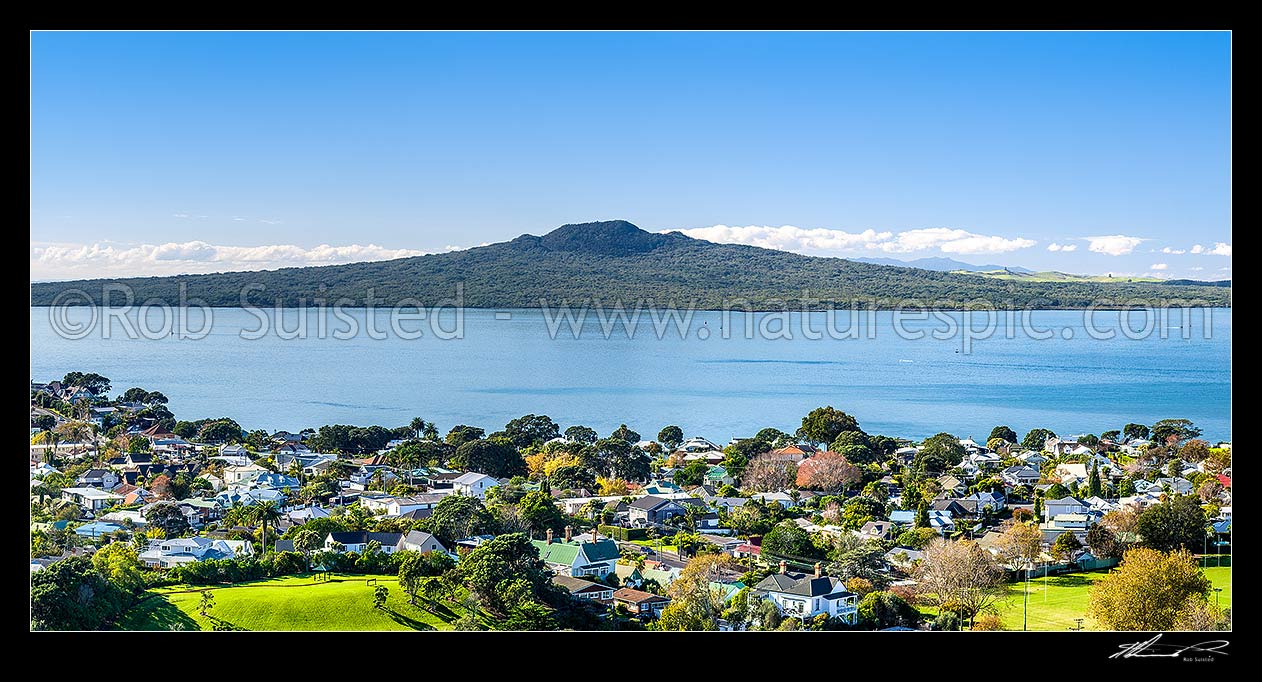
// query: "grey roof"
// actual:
[[801, 584], [577, 584], [360, 537], [420, 538], [284, 545], [649, 502]]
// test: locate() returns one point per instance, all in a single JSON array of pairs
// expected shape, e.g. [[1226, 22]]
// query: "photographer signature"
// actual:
[[1152, 649]]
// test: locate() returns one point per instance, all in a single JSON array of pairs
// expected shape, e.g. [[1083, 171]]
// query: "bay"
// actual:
[[710, 376]]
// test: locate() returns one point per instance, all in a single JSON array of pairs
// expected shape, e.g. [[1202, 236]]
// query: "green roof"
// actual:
[[557, 552], [716, 472]]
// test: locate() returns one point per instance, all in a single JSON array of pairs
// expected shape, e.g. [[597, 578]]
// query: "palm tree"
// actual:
[[264, 513]]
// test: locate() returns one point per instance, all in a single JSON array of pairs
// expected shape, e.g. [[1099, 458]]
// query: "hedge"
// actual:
[[623, 534]]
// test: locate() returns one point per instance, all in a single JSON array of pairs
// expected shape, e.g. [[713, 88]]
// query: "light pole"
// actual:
[[1217, 590]]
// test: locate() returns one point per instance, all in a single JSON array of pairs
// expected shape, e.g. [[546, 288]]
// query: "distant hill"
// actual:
[[939, 264], [1199, 282], [615, 260], [1054, 276]]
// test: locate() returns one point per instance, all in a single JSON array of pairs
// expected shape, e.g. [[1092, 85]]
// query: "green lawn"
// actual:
[[293, 603], [1057, 600]]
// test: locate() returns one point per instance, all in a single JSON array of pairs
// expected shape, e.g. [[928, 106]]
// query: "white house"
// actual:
[[805, 596], [579, 557], [420, 541], [232, 475], [173, 552], [98, 478], [1065, 505], [91, 498], [357, 541], [473, 484], [1020, 475]]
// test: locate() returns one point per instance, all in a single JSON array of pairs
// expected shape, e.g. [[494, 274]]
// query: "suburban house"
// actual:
[[357, 541], [579, 557], [793, 453], [876, 530], [638, 603], [93, 499], [420, 541], [654, 509], [982, 501], [1020, 475], [392, 505], [98, 478], [585, 589], [1065, 505], [952, 484], [233, 475], [168, 553], [1058, 446], [808, 595], [473, 484]]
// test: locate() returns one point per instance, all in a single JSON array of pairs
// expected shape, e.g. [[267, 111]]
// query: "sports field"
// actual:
[[344, 602]]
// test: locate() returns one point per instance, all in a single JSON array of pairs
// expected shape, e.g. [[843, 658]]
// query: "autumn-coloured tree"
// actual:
[[1150, 590], [695, 605], [1210, 489], [860, 586], [160, 486], [766, 473], [828, 472], [1020, 545], [960, 576], [1124, 523]]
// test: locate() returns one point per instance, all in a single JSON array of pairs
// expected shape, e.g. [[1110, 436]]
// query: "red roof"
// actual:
[[1225, 480], [749, 549]]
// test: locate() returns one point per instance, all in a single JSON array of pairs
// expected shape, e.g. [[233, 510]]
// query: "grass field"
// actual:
[[295, 603], [1058, 600]]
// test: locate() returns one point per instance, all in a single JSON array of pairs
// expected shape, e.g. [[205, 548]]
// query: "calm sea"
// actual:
[[724, 376]]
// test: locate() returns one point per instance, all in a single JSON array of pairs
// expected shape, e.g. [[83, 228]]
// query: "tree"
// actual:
[[45, 422], [458, 516], [616, 458], [418, 572], [880, 610], [916, 538], [160, 486], [91, 382], [206, 603], [1066, 545], [692, 474], [461, 434], [1209, 490], [1057, 491], [220, 431], [264, 513], [1150, 590], [671, 437], [1003, 432], [824, 424], [498, 459], [1112, 435], [625, 434], [828, 472], [537, 510], [1020, 545], [167, 517], [492, 567], [942, 446], [765, 473], [306, 540], [423, 429], [788, 540], [582, 434], [1195, 450], [119, 564], [379, 595], [1102, 542], [1126, 487], [531, 430], [1174, 431], [71, 594], [960, 577], [1094, 487], [1177, 523], [695, 605], [859, 586], [1135, 432], [859, 510], [1035, 439]]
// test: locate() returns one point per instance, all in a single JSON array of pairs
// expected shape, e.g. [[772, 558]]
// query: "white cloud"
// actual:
[[1176, 252], [816, 240], [1062, 247], [1159, 266], [71, 261], [1196, 268], [1197, 248], [1220, 249], [1113, 245]]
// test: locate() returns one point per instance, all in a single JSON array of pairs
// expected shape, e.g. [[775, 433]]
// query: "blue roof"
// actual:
[[97, 529]]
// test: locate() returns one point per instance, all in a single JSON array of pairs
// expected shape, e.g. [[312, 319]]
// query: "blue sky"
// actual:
[[157, 153]]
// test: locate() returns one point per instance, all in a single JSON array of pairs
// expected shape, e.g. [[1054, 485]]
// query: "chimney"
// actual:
[[568, 531], [593, 534], [549, 536], [819, 570], [784, 568]]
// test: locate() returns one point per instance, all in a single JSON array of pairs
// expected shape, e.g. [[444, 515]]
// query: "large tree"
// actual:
[[625, 434], [531, 430], [264, 513], [1102, 542], [788, 540], [695, 603], [72, 595], [766, 473], [167, 517], [1035, 439], [506, 572], [495, 458], [1151, 590], [671, 437], [458, 516], [1004, 433], [582, 434], [824, 424], [461, 434], [880, 610], [1020, 544], [1135, 431], [828, 472], [539, 512], [1174, 431], [960, 577], [1177, 523]]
